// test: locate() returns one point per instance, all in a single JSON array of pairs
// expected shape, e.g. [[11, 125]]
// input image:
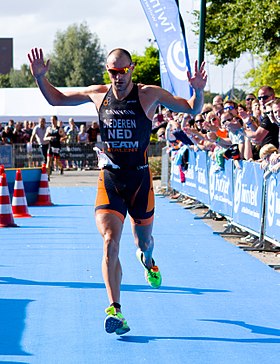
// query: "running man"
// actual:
[[125, 112]]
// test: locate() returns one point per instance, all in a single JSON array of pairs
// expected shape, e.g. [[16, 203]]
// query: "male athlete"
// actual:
[[125, 184]]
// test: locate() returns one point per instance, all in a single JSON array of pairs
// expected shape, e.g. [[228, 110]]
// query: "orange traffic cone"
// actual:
[[44, 196], [19, 203], [6, 214]]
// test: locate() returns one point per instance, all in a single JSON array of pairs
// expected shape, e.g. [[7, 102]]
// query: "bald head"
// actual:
[[119, 53]]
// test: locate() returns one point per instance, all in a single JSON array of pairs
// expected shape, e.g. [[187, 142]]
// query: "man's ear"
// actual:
[[132, 66]]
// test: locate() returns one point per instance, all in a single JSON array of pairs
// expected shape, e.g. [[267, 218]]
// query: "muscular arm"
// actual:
[[39, 68], [157, 95], [258, 135]]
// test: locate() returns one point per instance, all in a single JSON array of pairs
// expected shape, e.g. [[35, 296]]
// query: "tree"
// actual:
[[5, 81], [237, 26], [147, 67], [77, 59], [22, 77], [267, 73]]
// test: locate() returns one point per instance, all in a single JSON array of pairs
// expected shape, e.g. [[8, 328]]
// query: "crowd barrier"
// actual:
[[25, 156], [247, 196]]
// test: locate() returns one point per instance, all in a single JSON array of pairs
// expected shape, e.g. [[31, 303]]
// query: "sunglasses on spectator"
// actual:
[[229, 108], [250, 99], [199, 121], [268, 112], [264, 97], [224, 121], [114, 71], [205, 112]]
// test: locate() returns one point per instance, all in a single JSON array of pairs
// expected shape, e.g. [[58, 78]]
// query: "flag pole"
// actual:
[[202, 32]]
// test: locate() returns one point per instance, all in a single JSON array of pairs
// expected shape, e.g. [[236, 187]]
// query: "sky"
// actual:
[[117, 24]]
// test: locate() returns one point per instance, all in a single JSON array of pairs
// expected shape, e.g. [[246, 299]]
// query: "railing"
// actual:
[[247, 196], [25, 156]]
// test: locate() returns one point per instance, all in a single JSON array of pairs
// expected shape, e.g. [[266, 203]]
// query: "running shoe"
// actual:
[[115, 322], [152, 276]]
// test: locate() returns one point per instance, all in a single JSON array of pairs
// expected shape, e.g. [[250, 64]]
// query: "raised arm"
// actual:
[[179, 104], [39, 68]]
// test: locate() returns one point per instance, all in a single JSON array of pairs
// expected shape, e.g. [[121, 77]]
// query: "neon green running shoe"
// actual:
[[115, 322], [152, 276]]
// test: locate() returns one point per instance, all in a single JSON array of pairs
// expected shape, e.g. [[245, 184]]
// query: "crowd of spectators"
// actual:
[[246, 130], [43, 136]]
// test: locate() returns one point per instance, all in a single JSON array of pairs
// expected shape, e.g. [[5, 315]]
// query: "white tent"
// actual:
[[29, 104]]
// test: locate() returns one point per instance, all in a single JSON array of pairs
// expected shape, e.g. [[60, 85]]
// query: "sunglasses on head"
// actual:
[[229, 108], [205, 112], [250, 99], [224, 121], [264, 97], [114, 71]]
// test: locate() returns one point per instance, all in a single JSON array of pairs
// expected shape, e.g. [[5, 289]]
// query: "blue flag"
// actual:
[[168, 28]]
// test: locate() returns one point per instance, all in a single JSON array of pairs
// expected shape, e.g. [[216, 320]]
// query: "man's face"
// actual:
[[264, 97], [120, 70]]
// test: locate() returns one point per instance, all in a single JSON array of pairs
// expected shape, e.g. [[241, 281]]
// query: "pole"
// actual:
[[202, 32]]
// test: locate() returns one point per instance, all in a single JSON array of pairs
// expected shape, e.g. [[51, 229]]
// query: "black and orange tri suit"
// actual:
[[127, 186]]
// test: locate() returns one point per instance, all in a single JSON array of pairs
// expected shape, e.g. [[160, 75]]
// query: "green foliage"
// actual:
[[77, 59], [5, 81], [267, 73], [236, 26], [22, 77], [147, 67]]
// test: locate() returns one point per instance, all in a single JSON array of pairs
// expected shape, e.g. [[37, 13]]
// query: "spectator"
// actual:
[[82, 139], [218, 99], [267, 132], [53, 135], [93, 131], [7, 135], [38, 135], [248, 102], [231, 106], [27, 131], [18, 137], [68, 127]]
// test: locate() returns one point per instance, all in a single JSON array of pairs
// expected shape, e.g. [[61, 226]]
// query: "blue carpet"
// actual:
[[217, 304]]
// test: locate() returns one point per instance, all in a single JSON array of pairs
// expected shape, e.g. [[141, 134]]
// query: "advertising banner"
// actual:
[[221, 188], [272, 203], [168, 29], [248, 193]]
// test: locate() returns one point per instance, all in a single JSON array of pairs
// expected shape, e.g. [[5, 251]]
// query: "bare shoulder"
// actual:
[[96, 93]]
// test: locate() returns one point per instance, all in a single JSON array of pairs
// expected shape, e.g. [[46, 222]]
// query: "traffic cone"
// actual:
[[2, 169], [19, 203], [44, 196], [6, 214]]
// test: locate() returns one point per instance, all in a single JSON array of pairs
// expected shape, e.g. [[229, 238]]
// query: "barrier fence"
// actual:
[[26, 156], [247, 196]]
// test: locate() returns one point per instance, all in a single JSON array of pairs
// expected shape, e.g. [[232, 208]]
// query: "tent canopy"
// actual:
[[22, 104]]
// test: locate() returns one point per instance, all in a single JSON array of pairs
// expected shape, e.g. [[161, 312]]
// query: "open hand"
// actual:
[[37, 65], [199, 78]]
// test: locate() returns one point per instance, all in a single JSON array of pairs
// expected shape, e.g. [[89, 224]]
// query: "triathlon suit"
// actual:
[[55, 145], [125, 132]]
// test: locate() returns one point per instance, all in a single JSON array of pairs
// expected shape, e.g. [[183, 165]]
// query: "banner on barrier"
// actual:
[[202, 178], [248, 194], [272, 203], [221, 188], [6, 153]]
